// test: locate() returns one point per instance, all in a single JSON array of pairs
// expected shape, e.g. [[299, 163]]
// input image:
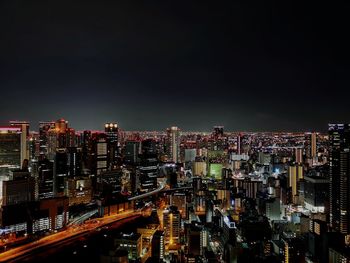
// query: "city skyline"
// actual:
[[247, 67]]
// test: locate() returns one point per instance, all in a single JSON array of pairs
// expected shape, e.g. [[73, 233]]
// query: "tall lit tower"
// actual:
[[239, 144], [172, 224], [295, 174], [173, 142], [24, 125], [313, 145], [44, 127], [339, 172], [111, 130]]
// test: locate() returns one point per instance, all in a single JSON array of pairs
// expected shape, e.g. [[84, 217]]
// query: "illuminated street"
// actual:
[[65, 235]]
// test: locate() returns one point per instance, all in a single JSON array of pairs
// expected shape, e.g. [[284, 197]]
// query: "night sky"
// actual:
[[247, 66]]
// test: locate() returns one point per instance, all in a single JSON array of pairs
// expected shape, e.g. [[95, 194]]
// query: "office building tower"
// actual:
[[239, 144], [43, 171], [197, 239], [339, 165], [60, 137], [21, 189], [158, 246], [10, 145], [295, 174], [61, 171], [34, 146], [173, 144], [311, 147], [44, 127], [112, 131], [172, 224], [148, 169], [229, 231], [316, 189], [180, 201], [294, 250], [97, 160], [109, 183], [132, 151], [24, 126], [298, 155], [74, 161]]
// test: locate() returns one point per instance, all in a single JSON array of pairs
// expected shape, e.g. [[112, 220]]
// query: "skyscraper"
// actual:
[[111, 130], [339, 172], [132, 151], [59, 136], [44, 127], [311, 146], [10, 145], [24, 125], [295, 174], [172, 224], [173, 143], [158, 247], [239, 144], [147, 170], [298, 155]]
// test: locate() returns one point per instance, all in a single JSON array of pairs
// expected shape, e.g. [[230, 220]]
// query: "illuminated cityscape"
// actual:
[[174, 132], [173, 196]]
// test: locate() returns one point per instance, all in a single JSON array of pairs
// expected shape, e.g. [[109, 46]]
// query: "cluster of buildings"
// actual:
[[228, 197]]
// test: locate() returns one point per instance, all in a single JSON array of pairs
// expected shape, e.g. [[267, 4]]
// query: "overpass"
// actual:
[[71, 233], [161, 186]]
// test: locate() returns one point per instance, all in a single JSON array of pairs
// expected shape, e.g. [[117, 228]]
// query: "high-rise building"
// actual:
[[74, 161], [197, 239], [44, 127], [147, 171], [61, 171], [311, 146], [112, 131], [172, 224], [339, 172], [295, 174], [158, 246], [298, 152], [179, 200], [132, 151], [44, 176], [239, 144], [11, 141], [316, 190], [96, 153], [24, 125], [21, 189], [59, 137], [173, 144]]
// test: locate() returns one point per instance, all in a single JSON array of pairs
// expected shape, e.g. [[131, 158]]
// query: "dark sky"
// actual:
[[247, 66]]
